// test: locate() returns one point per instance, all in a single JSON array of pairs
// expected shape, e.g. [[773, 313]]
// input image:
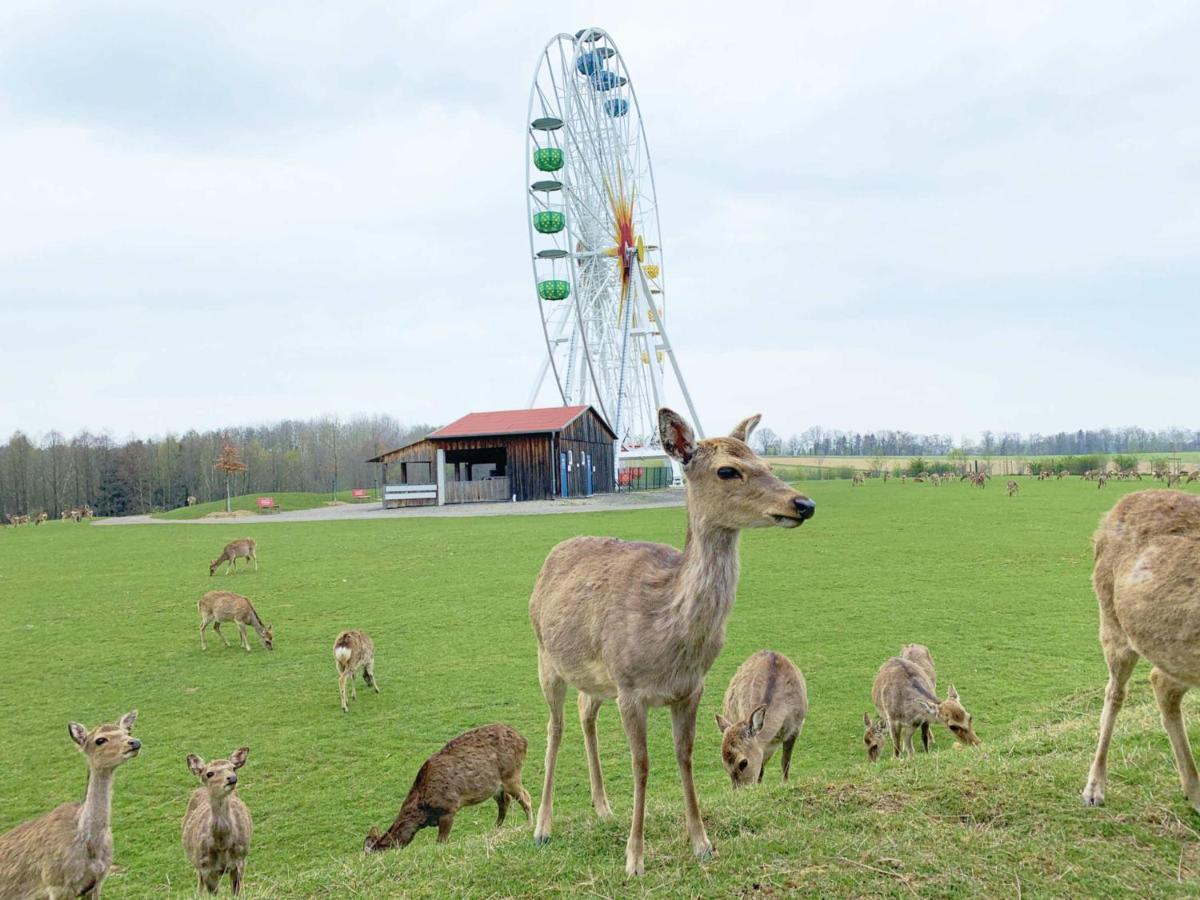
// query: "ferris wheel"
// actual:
[[595, 243]]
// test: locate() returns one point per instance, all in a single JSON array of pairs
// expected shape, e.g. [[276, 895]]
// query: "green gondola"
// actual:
[[548, 159], [554, 289], [549, 221]]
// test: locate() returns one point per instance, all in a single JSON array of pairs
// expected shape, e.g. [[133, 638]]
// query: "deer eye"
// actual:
[[100, 741], [727, 472], [742, 765], [209, 774]]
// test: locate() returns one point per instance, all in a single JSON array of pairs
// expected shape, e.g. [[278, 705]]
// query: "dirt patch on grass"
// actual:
[[236, 514]]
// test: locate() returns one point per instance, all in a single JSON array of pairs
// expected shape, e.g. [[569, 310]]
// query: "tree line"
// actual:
[[143, 475]]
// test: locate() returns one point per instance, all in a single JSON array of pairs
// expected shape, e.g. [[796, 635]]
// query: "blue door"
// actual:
[[562, 472], [587, 470]]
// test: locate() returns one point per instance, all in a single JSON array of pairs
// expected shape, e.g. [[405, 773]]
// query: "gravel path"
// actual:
[[358, 511]]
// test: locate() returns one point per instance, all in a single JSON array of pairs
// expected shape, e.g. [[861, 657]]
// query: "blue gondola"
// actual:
[[616, 107]]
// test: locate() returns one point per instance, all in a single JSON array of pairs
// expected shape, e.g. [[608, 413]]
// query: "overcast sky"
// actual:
[[928, 217]]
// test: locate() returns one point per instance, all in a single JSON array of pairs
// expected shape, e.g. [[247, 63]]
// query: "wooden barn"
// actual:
[[521, 454]]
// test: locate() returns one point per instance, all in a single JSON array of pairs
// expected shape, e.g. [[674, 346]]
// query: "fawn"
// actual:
[[478, 764], [243, 548], [1146, 580], [904, 695], [641, 623], [764, 709], [225, 606], [217, 825], [67, 851], [1013, 487], [354, 650]]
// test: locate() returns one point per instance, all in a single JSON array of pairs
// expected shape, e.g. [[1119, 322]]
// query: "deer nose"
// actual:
[[232, 779], [805, 508], [135, 744]]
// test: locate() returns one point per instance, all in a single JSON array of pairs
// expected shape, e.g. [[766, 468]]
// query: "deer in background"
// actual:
[[67, 852], [243, 548], [191, 501], [1101, 480], [354, 650], [216, 607], [482, 763], [856, 480], [764, 709], [217, 826], [641, 623], [1013, 487]]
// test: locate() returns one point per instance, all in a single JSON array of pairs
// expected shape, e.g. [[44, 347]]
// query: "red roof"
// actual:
[[511, 421]]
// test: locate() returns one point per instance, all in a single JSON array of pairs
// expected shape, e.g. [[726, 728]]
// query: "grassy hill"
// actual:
[[285, 500]]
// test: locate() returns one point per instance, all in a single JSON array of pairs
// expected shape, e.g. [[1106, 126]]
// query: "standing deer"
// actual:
[[1101, 480], [217, 825], [216, 607], [235, 550], [354, 650], [1013, 487], [67, 852], [191, 501], [1147, 583], [856, 480], [641, 623], [479, 764], [764, 709]]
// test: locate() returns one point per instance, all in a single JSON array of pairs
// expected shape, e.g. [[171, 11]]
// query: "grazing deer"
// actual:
[[935, 480], [1013, 487], [1101, 480], [191, 501], [42, 517], [641, 623], [354, 650], [1062, 474], [67, 851], [242, 548], [87, 512], [478, 764], [217, 825], [225, 606], [764, 709], [1193, 476], [906, 700], [875, 734], [1147, 583], [919, 655], [1172, 479], [856, 480]]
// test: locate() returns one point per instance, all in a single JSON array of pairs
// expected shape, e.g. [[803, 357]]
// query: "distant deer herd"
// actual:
[[641, 624]]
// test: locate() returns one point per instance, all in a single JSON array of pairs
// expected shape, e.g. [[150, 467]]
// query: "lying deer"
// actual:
[[1147, 583], [641, 623], [352, 651], [477, 765], [906, 701], [243, 548], [764, 709], [217, 825], [225, 606], [67, 852], [1013, 487]]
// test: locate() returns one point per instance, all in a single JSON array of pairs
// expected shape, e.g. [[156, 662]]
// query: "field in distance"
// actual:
[[1000, 465], [248, 503], [95, 621]]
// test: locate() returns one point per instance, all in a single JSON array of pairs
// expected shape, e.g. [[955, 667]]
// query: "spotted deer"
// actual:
[[354, 650], [67, 852], [243, 548], [764, 709], [641, 623], [480, 764], [1147, 583], [217, 826], [216, 607]]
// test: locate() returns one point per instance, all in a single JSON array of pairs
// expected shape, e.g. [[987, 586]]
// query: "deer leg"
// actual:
[[445, 823], [242, 633], [501, 806], [353, 686], [683, 727], [786, 758], [589, 708], [517, 791], [633, 717], [908, 741], [342, 688], [1169, 694], [203, 625], [1121, 660], [217, 629], [896, 728], [554, 689], [235, 877], [925, 736], [369, 677], [254, 556]]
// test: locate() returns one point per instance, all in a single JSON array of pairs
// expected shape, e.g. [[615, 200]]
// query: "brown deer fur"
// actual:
[[225, 606], [67, 852], [641, 623], [217, 825], [1147, 583], [478, 764], [764, 709], [243, 548], [1013, 487], [904, 695], [875, 735], [354, 650]]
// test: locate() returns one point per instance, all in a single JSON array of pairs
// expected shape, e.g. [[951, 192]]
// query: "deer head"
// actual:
[[218, 777], [741, 752], [728, 485], [874, 737], [107, 746], [268, 637], [951, 713]]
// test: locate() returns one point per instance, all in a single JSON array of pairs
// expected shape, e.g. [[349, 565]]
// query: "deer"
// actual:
[[191, 500], [41, 517], [935, 480], [919, 655], [764, 709], [1013, 487], [216, 607], [477, 765], [354, 650], [856, 480], [1101, 480], [1146, 576], [217, 825], [67, 852], [642, 623], [243, 548], [875, 735], [905, 698]]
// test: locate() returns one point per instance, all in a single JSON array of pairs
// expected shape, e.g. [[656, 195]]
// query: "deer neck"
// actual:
[[96, 815], [222, 821], [407, 824], [707, 579]]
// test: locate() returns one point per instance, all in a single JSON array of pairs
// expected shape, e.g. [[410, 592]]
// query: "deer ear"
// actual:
[[867, 720], [77, 732], [952, 694], [195, 764], [745, 428], [930, 708], [756, 720], [238, 757], [128, 719], [678, 442], [722, 723]]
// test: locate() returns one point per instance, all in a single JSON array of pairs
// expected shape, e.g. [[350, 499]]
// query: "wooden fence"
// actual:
[[477, 491]]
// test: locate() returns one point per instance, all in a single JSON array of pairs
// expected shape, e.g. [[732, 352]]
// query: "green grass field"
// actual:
[[284, 500], [97, 620]]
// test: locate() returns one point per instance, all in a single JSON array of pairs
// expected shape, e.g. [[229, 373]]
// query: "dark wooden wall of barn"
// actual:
[[588, 434], [530, 473]]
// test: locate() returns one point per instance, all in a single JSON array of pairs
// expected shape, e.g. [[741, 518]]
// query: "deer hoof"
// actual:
[[1093, 795], [635, 867], [705, 853], [541, 840]]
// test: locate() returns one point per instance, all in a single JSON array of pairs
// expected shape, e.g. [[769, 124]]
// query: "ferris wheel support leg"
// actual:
[[539, 381], [666, 343]]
